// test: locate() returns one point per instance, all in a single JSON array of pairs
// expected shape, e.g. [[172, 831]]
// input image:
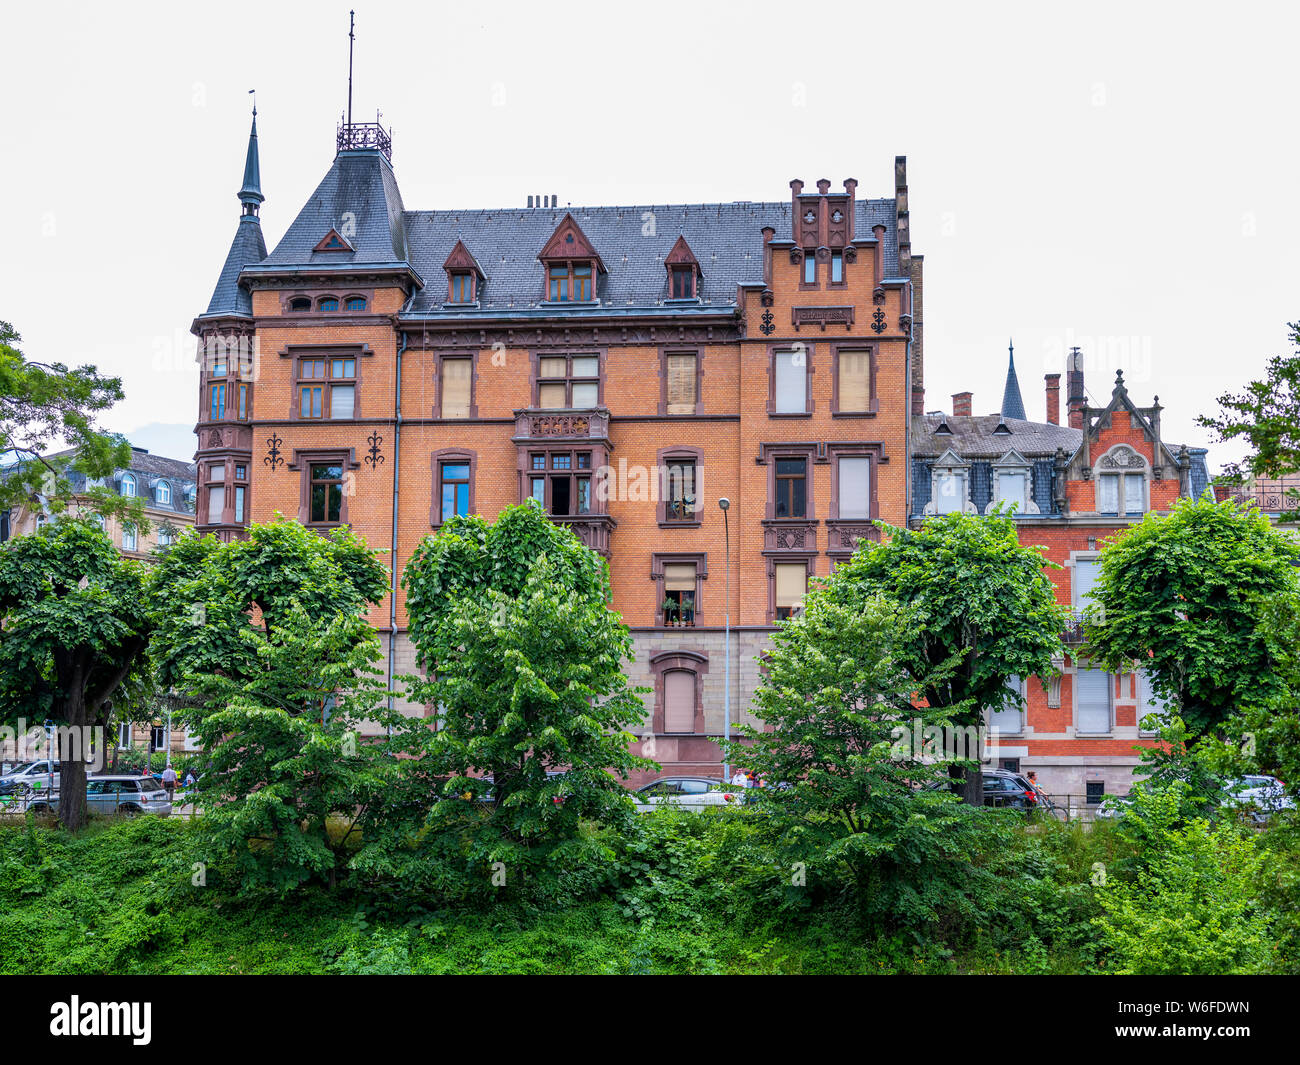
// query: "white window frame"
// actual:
[[163, 493], [1021, 686], [1145, 693], [1119, 462], [124, 730], [1014, 463], [128, 486], [950, 465], [1082, 667]]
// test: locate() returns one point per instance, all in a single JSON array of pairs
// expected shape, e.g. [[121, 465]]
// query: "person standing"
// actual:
[[169, 782]]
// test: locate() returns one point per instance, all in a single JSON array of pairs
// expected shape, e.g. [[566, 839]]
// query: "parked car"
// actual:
[[1004, 789], [35, 775], [686, 793], [1259, 795], [1113, 807], [118, 794]]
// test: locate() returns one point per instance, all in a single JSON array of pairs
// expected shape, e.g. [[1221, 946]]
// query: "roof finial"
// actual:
[[1013, 406], [250, 193], [352, 22]]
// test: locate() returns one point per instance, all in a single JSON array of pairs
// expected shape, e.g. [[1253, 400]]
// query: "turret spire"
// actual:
[[1012, 405], [250, 195]]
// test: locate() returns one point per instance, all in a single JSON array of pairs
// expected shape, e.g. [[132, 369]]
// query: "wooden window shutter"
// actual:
[[679, 576], [679, 701], [855, 380], [456, 388], [681, 384]]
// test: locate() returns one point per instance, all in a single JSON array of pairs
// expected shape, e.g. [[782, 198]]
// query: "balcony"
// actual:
[[592, 529], [843, 537], [558, 425], [358, 136], [795, 535]]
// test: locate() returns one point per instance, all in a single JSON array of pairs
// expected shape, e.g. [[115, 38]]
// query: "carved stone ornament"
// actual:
[[1123, 458]]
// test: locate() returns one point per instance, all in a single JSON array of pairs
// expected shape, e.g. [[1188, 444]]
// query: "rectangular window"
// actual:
[[455, 489], [568, 381], [243, 402], [537, 490], [681, 385], [855, 381], [571, 282], [1108, 493], [679, 492], [239, 502], [1083, 581], [312, 403], [791, 383], [1133, 493], [679, 594], [216, 503], [124, 736], [1094, 792], [679, 701], [582, 282], [462, 288], [837, 267], [1150, 704], [1092, 692], [683, 283], [326, 493], [457, 378], [1011, 489], [949, 493], [791, 586], [810, 268], [217, 402], [559, 283], [342, 401], [1008, 720], [128, 538], [854, 488], [791, 488]]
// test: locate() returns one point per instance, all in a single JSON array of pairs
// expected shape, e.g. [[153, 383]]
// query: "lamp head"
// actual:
[[724, 503]]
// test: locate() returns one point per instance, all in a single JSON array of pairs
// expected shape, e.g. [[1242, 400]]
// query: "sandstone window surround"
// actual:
[[853, 381], [1123, 482], [679, 692], [681, 373], [679, 576], [855, 501], [787, 583], [1013, 482], [455, 396], [681, 470], [327, 478], [789, 380], [949, 486], [454, 472]]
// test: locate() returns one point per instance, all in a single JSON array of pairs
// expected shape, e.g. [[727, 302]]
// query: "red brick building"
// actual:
[[627, 366], [1074, 486]]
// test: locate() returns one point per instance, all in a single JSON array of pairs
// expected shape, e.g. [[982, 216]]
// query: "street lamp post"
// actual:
[[724, 504]]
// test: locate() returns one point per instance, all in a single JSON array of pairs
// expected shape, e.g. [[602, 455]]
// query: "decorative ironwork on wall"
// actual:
[[878, 321], [374, 459], [768, 326], [273, 457]]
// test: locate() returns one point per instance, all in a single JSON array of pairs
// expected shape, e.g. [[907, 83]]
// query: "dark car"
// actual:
[[1004, 789]]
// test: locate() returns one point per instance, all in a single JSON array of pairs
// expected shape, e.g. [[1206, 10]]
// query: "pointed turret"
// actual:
[[248, 247], [1012, 405]]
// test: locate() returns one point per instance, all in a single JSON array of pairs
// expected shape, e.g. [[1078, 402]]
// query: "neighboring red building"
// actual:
[[1075, 485]]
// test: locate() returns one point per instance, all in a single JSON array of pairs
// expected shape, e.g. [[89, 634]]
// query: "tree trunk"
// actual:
[[968, 783], [72, 768]]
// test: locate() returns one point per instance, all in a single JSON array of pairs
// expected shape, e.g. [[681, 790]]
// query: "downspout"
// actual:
[[397, 465], [907, 423]]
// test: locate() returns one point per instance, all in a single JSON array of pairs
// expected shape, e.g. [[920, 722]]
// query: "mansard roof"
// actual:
[[973, 437]]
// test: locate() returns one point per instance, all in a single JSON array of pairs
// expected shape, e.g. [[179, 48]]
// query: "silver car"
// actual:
[[687, 793], [126, 795]]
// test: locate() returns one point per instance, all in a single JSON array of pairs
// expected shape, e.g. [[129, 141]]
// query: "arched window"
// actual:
[[355, 303], [328, 303], [163, 492], [128, 485], [300, 303]]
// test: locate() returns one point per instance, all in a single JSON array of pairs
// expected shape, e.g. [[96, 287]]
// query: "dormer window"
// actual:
[[1013, 484], [949, 485], [463, 275], [570, 283], [163, 493], [128, 486], [299, 304], [333, 241], [683, 272], [571, 264], [1121, 479]]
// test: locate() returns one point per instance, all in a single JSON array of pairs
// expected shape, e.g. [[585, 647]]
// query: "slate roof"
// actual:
[[249, 246], [1013, 406], [149, 469], [359, 196], [973, 437]]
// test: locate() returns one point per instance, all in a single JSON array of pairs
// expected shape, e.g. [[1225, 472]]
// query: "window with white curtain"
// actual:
[[791, 385], [854, 488], [1092, 700]]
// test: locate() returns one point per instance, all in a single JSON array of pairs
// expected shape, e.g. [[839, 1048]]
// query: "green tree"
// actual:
[[43, 406], [1188, 597], [979, 599], [524, 665], [74, 629], [841, 747], [207, 594], [1265, 417]]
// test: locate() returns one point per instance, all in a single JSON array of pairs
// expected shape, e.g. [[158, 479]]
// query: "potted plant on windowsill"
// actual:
[[671, 610]]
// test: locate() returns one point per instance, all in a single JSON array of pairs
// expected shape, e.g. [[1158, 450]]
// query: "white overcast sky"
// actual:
[[1118, 176]]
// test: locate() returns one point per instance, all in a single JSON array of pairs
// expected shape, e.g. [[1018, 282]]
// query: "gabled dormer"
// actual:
[[333, 241], [683, 272], [572, 265], [950, 485], [1013, 484], [464, 275]]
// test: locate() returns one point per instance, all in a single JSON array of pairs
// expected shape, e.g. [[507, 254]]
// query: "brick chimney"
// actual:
[[1053, 397], [1074, 394], [961, 404]]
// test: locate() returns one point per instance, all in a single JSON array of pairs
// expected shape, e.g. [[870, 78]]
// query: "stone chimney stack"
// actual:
[[1074, 395], [961, 404], [1053, 397]]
